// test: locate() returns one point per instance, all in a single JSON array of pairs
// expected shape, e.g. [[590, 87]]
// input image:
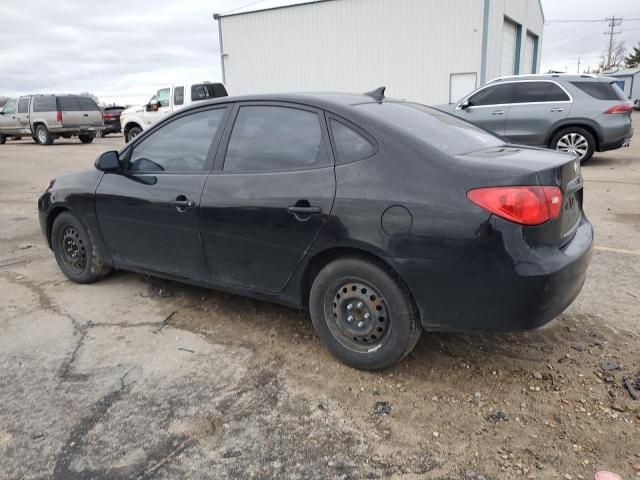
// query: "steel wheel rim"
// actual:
[[573, 143], [357, 315], [42, 136], [133, 134], [74, 251]]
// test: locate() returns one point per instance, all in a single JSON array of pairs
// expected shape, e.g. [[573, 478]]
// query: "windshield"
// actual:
[[435, 128]]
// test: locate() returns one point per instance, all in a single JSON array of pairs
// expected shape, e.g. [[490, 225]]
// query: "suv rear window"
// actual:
[[600, 90], [44, 104], [433, 127], [204, 91]]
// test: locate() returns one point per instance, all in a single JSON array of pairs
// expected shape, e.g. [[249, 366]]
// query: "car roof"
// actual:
[[547, 76], [327, 101]]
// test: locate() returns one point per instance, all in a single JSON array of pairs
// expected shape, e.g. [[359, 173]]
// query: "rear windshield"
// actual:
[[44, 104], [205, 91], [438, 129], [72, 103], [600, 90]]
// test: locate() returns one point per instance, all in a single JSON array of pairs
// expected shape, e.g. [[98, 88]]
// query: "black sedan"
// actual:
[[382, 217], [111, 118]]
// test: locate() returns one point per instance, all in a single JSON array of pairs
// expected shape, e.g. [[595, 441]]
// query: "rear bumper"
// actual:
[[493, 290]]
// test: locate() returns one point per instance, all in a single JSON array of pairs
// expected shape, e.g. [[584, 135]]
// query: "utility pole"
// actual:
[[613, 23], [578, 64]]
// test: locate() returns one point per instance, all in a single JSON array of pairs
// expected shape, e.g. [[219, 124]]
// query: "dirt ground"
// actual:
[[135, 377]]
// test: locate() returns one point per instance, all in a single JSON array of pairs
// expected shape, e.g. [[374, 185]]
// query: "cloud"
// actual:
[[117, 50]]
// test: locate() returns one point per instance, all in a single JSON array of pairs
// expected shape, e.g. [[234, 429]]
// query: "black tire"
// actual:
[[3, 139], [35, 139], [75, 251], [43, 136], [380, 341], [86, 138], [132, 133], [577, 132]]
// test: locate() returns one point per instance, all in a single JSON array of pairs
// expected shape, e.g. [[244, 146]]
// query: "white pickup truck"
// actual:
[[167, 100]]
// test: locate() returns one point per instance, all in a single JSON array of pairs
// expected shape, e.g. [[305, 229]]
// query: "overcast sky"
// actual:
[[123, 51]]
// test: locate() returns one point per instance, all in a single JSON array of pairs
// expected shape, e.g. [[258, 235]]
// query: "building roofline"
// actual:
[[217, 16]]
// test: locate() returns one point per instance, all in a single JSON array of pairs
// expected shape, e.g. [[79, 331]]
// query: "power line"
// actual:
[[592, 20]]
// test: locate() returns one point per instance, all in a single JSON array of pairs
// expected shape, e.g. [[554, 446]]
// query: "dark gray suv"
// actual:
[[578, 114]]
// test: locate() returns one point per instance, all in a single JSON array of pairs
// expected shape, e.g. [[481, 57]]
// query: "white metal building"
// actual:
[[431, 51], [628, 79]]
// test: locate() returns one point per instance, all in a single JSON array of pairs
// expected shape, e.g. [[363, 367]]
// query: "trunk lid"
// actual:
[[519, 165]]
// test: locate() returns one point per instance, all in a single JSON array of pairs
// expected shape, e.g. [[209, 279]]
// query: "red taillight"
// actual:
[[621, 108], [108, 115], [59, 117], [527, 205]]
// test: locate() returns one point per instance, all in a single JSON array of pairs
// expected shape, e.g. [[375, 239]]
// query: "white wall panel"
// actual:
[[411, 46]]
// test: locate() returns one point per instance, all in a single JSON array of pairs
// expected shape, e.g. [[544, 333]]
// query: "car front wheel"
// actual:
[[133, 132], [363, 313], [43, 136], [575, 140], [75, 252]]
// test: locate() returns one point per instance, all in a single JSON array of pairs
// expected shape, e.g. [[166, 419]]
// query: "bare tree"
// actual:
[[3, 100], [618, 55]]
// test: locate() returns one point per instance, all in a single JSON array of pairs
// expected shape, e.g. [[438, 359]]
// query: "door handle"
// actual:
[[86, 114], [182, 204], [498, 112], [557, 109], [304, 210]]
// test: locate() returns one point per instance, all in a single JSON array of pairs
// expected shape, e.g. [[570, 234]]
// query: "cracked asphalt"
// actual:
[[139, 378]]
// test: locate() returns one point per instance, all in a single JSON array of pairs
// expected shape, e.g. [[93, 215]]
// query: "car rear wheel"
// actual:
[[133, 132], [3, 139], [43, 136], [363, 313], [575, 140], [86, 138], [75, 252]]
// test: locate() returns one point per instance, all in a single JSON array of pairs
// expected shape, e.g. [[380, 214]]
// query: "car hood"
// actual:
[[135, 109], [446, 107]]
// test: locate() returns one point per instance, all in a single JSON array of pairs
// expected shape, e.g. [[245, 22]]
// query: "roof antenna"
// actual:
[[377, 94]]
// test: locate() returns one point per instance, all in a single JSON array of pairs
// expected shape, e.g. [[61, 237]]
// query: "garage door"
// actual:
[[508, 48], [529, 47]]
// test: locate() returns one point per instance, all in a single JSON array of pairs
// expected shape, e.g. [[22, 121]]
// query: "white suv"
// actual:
[[167, 100]]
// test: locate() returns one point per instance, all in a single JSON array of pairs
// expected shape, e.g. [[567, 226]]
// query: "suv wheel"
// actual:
[[75, 252], [3, 139], [86, 138], [363, 314], [133, 132], [575, 140], [43, 136]]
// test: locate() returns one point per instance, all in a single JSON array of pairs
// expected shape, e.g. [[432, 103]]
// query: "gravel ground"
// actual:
[[135, 377]]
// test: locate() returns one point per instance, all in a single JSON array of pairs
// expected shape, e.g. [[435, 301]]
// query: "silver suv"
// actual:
[[575, 113], [47, 117]]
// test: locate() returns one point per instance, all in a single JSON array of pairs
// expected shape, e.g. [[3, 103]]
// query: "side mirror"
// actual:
[[464, 105], [152, 106], [108, 161]]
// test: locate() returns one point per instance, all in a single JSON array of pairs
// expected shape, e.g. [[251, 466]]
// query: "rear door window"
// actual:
[[44, 104], [205, 91], [600, 90], [349, 144], [494, 95], [273, 138], [23, 105], [178, 95], [536, 92]]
